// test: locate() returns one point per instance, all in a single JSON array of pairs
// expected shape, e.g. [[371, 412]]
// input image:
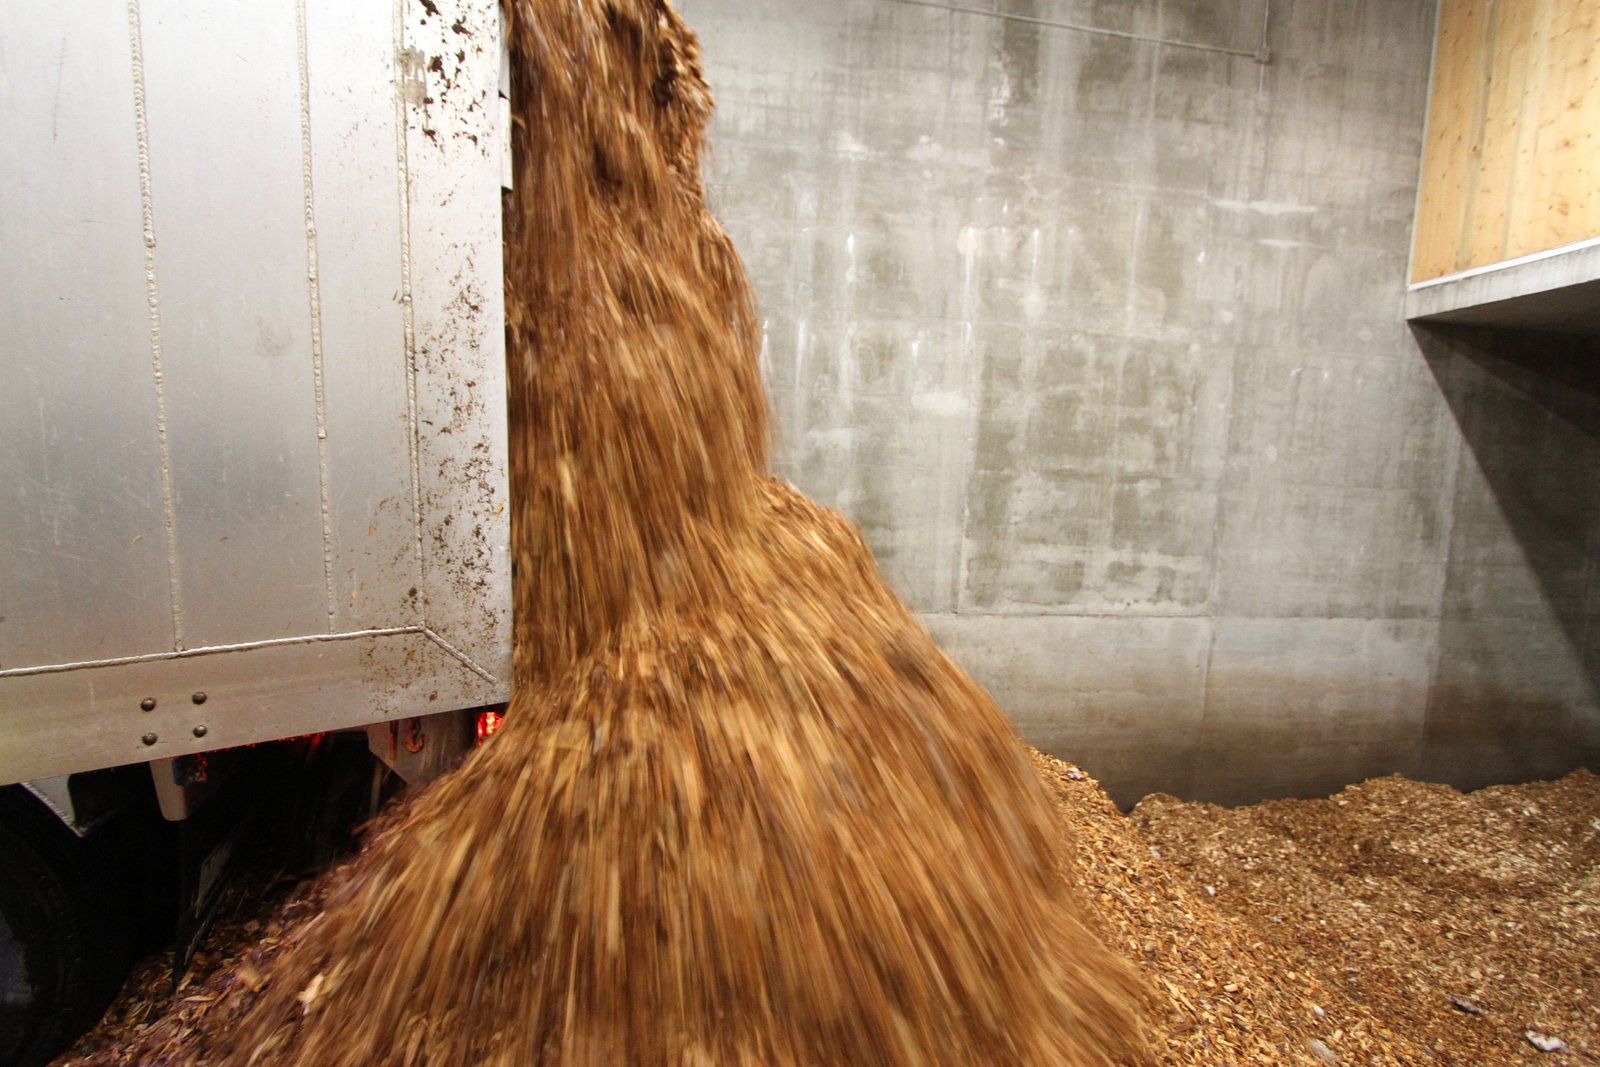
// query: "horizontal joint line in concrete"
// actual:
[[1032, 20], [212, 650]]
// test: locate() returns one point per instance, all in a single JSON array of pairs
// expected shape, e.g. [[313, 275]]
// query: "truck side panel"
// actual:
[[252, 481], [83, 575], [223, 98]]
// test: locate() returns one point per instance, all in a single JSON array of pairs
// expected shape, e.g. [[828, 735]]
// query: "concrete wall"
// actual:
[[1514, 686], [1100, 342]]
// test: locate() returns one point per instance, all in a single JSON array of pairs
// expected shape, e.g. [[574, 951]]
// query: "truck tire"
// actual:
[[62, 950]]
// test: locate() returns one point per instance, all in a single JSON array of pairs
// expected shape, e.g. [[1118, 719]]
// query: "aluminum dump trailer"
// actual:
[[252, 419], [252, 410]]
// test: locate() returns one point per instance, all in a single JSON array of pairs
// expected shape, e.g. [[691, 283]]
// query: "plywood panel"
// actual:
[[1505, 97], [1583, 118], [1455, 115], [1571, 107], [1509, 163], [1527, 205]]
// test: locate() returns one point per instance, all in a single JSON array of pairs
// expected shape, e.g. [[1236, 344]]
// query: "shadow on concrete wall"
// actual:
[[1515, 693]]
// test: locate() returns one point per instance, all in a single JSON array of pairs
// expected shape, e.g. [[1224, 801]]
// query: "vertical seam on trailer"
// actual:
[[408, 318], [314, 288], [169, 519]]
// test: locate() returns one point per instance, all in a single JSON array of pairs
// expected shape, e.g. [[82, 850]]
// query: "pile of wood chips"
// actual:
[[1456, 928], [1396, 923], [742, 810]]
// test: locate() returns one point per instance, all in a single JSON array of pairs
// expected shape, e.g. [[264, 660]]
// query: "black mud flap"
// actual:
[[211, 839]]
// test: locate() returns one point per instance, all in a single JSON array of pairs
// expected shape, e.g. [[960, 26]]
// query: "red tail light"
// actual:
[[488, 723]]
